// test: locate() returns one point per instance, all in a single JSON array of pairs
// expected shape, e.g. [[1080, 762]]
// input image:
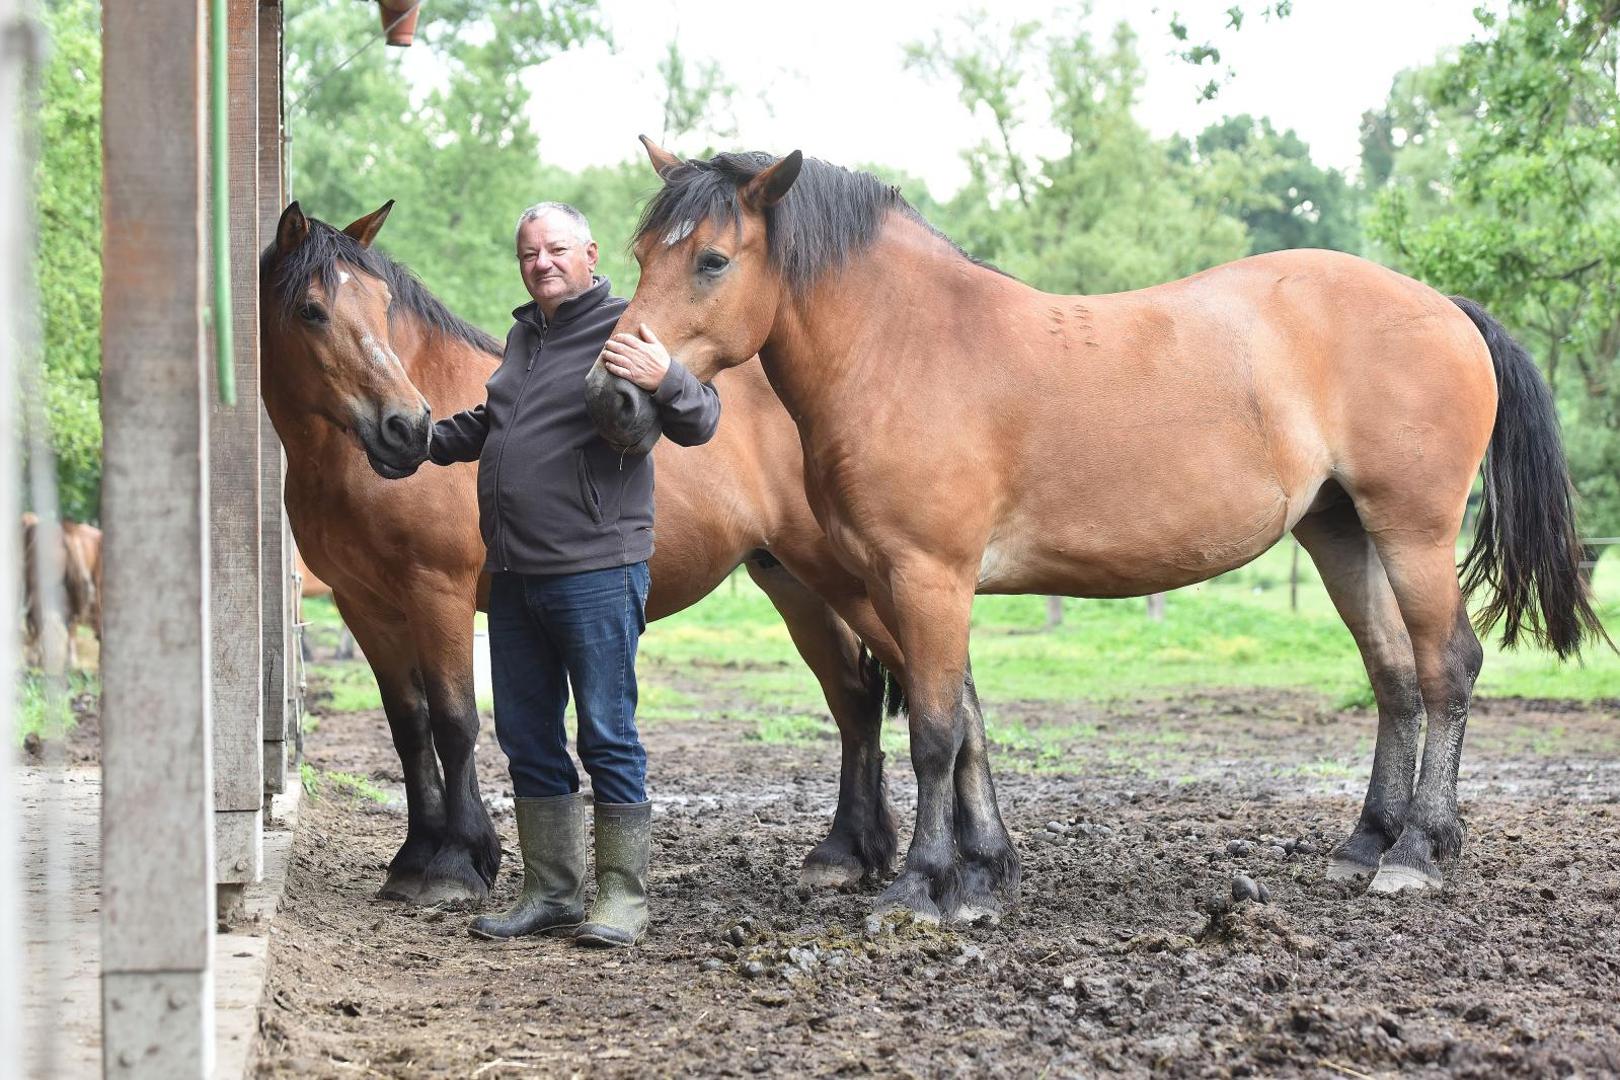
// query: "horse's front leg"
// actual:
[[469, 855], [961, 863]]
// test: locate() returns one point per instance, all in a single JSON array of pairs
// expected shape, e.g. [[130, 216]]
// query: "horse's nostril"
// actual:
[[397, 431]]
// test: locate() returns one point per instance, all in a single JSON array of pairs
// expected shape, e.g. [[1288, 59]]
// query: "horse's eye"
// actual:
[[712, 262], [312, 313]]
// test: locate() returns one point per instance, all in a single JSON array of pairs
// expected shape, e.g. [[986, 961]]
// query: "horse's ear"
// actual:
[[767, 189], [292, 229], [662, 160], [365, 229]]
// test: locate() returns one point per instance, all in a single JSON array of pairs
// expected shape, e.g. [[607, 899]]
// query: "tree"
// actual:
[[461, 155], [1512, 196], [697, 97], [1114, 208], [68, 202], [1293, 202]]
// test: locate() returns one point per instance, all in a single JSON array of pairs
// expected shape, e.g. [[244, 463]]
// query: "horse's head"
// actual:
[[710, 286], [325, 305]]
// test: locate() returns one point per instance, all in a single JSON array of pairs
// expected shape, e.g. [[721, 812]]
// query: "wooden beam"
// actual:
[[276, 554], [233, 470], [157, 881]]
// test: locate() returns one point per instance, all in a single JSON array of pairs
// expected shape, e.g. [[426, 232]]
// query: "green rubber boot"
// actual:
[[551, 835], [623, 842]]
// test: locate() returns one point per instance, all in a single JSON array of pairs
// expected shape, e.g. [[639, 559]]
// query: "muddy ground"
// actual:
[[1113, 963]]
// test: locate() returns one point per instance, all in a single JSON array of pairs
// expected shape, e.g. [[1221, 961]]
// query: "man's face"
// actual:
[[555, 262]]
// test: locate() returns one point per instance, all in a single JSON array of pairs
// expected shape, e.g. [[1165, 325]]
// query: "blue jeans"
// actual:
[[545, 632]]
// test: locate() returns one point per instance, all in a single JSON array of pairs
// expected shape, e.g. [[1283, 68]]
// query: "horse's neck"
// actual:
[[853, 336], [448, 371]]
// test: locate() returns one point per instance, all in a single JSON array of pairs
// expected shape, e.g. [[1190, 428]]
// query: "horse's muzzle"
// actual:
[[396, 442], [622, 413]]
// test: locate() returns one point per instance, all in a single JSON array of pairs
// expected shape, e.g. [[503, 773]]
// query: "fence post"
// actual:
[[233, 469], [157, 855]]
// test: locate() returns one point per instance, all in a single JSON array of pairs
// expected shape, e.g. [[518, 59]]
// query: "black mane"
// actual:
[[828, 215], [318, 256]]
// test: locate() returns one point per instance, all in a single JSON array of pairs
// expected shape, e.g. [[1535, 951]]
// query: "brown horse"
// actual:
[[78, 561], [964, 432], [357, 357]]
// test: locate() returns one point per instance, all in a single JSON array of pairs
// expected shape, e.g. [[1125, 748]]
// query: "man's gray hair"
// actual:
[[581, 226]]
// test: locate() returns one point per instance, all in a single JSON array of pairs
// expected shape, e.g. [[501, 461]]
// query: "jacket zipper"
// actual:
[[517, 406]]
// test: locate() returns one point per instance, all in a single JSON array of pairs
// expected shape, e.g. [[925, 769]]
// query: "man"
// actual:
[[568, 525]]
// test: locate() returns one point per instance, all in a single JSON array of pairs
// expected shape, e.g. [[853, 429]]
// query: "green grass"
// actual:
[[47, 712], [318, 782], [355, 786], [350, 685], [1237, 631]]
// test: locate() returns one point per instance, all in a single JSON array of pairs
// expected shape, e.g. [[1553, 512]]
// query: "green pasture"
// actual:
[[730, 658]]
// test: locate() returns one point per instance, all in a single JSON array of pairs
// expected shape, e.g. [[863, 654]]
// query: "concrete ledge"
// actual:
[[62, 950]]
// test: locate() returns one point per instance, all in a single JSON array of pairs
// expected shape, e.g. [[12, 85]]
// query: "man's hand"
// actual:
[[641, 360]]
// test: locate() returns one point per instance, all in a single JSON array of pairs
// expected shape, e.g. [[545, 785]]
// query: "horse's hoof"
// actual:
[[824, 873], [986, 908], [910, 893], [1394, 878], [451, 893], [1349, 870], [403, 888]]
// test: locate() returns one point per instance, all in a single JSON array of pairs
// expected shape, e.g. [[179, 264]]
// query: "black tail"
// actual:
[[882, 684], [1525, 546]]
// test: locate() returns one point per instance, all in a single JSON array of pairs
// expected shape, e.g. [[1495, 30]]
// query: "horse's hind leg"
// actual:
[[1354, 577], [989, 864], [469, 857], [1448, 655], [392, 656], [863, 839]]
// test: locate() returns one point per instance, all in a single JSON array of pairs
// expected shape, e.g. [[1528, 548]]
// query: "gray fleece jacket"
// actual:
[[553, 497]]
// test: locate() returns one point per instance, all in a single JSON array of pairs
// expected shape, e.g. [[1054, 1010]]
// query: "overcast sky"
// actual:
[[829, 78]]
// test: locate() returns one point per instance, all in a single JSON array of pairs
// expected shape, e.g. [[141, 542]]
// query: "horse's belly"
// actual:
[[1158, 546]]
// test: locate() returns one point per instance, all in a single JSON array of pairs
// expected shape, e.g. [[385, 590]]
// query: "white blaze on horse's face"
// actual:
[[380, 354], [680, 232]]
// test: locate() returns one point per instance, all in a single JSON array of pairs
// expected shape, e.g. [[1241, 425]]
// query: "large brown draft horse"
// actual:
[[964, 432], [358, 356]]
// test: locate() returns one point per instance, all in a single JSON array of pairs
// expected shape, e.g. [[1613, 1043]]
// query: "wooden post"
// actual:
[[1054, 612], [157, 856], [23, 39], [233, 469], [1155, 606], [276, 558], [1293, 579]]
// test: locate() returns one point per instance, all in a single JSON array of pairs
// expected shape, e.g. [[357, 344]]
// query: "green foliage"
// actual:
[[1503, 183], [460, 156], [46, 710], [697, 97], [68, 203], [1288, 200], [1116, 209]]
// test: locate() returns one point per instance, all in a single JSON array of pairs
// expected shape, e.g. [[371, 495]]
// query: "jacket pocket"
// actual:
[[588, 493]]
